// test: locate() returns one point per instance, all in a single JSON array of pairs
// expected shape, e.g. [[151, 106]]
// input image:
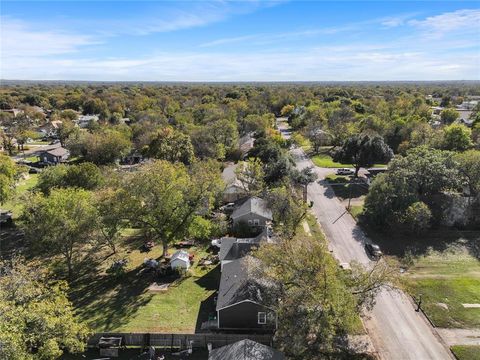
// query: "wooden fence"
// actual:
[[181, 341]]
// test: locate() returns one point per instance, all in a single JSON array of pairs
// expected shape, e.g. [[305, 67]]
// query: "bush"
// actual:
[[417, 217]]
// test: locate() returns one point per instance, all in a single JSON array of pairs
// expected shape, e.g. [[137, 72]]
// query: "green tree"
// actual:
[[251, 175], [313, 304], [457, 137], [165, 198], [64, 223], [288, 209], [85, 175], [417, 217], [419, 175], [171, 145], [37, 320], [468, 164], [101, 147], [449, 115], [8, 172], [363, 151]]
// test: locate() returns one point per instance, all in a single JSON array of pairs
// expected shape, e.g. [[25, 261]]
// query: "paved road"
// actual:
[[396, 330]]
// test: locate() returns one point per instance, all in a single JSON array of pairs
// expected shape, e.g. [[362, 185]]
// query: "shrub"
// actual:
[[417, 217]]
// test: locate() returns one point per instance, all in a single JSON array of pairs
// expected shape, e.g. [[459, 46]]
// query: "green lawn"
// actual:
[[447, 280], [126, 304], [324, 159], [23, 186], [356, 211], [464, 352]]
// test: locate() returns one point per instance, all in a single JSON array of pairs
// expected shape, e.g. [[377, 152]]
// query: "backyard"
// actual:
[[129, 303]]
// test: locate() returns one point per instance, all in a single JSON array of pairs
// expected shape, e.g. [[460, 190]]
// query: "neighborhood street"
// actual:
[[396, 329]]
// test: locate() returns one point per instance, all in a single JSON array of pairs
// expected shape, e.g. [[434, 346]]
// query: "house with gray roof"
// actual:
[[254, 212], [245, 350], [234, 189], [54, 156], [242, 298], [232, 248]]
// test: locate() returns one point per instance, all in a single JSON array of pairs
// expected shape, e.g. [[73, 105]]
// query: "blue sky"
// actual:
[[240, 41]]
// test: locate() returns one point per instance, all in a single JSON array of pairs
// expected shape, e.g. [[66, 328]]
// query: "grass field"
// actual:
[[125, 304], [324, 159], [463, 352], [447, 280], [343, 190]]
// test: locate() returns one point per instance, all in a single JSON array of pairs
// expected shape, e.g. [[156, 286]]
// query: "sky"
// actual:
[[240, 40]]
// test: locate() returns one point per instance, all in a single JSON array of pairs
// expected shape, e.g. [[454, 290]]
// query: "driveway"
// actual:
[[396, 329]]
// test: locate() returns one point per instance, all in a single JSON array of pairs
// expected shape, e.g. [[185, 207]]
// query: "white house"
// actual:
[[180, 260]]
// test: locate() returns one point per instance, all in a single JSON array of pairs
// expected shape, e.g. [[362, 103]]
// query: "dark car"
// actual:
[[373, 250]]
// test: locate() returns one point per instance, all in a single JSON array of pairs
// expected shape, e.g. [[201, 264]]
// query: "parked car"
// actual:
[[345, 171], [228, 207], [373, 250]]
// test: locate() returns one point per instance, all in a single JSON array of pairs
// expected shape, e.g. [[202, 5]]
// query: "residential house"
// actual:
[[84, 121], [50, 129], [54, 156], [232, 248], [180, 260], [245, 350], [246, 143], [254, 212], [234, 189], [241, 301]]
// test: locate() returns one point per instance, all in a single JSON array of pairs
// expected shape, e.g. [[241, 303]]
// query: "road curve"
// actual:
[[397, 331]]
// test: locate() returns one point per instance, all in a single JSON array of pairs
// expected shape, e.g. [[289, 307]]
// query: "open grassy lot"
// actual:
[[447, 280], [463, 352], [125, 304]]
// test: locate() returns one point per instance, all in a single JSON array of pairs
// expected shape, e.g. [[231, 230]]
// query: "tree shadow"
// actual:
[[398, 243], [210, 281], [109, 301]]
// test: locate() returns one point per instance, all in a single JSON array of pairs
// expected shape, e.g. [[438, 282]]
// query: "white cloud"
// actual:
[[466, 22], [315, 64], [20, 40]]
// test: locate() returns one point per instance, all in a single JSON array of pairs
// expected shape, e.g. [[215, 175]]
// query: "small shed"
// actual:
[[180, 259]]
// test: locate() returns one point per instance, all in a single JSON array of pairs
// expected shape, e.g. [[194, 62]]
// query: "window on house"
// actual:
[[250, 222], [262, 318], [256, 222]]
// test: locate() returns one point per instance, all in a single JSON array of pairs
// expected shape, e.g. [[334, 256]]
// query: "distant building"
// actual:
[[253, 212], [84, 121], [242, 303], [245, 350], [55, 156]]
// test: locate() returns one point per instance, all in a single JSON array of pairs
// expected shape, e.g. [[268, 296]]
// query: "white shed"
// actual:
[[180, 260]]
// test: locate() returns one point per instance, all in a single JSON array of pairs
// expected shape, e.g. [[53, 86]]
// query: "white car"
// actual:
[[217, 242], [345, 171]]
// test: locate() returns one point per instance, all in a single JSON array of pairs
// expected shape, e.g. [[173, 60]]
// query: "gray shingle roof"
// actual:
[[235, 248], [59, 151], [253, 205], [240, 282], [245, 350]]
